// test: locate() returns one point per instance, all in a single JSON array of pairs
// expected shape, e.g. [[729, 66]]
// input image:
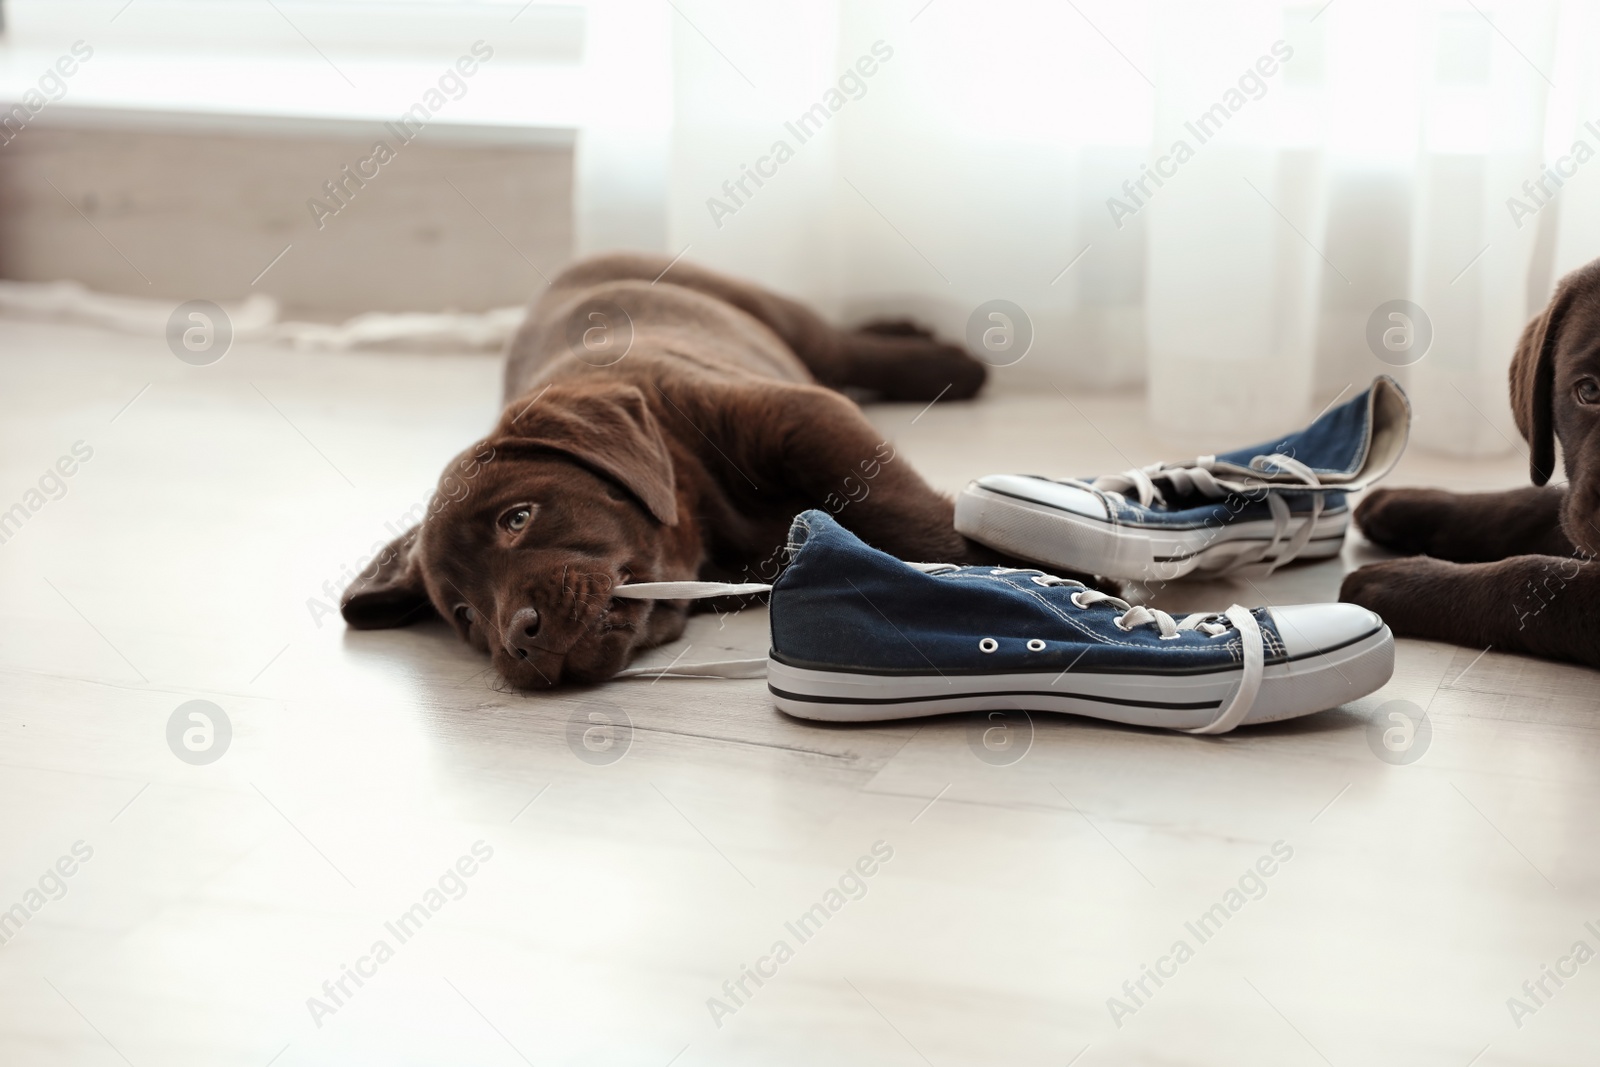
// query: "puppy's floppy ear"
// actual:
[[604, 425], [389, 592], [1533, 374]]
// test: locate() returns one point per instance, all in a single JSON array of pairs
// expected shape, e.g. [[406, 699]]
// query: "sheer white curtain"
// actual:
[[1338, 156]]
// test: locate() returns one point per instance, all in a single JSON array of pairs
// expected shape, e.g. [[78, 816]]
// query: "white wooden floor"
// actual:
[[185, 561]]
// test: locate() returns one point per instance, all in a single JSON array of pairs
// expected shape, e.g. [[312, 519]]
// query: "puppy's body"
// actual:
[[662, 423], [1511, 569], [688, 313]]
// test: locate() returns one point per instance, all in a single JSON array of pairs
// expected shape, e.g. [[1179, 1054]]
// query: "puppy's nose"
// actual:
[[522, 628]]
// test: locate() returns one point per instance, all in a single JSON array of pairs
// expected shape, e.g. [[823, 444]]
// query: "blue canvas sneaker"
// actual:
[[857, 635], [1250, 510]]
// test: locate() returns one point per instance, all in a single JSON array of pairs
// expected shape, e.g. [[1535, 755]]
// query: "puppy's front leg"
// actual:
[[1466, 527], [823, 448], [1541, 605]]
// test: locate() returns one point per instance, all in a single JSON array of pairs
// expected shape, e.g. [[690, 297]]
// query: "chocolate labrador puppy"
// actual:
[[1516, 569], [662, 423]]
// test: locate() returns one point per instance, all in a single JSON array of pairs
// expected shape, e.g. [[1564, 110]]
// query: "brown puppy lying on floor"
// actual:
[[1520, 574], [662, 423]]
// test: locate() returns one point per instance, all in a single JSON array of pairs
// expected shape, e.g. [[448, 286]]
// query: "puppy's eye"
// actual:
[[1587, 391], [465, 615], [517, 518]]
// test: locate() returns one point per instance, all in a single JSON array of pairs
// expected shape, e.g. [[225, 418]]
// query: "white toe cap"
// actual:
[[1310, 628], [1067, 497]]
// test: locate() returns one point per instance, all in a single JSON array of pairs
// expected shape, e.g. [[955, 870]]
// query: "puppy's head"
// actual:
[[570, 496], [1555, 396]]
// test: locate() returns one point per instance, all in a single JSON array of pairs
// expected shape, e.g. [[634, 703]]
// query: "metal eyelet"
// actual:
[[1174, 637], [1036, 645], [1042, 580], [1117, 622], [988, 644], [1078, 603]]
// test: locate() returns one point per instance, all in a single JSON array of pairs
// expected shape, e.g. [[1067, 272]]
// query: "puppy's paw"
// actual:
[[1405, 593], [895, 328], [1403, 520], [964, 374], [904, 362], [928, 370]]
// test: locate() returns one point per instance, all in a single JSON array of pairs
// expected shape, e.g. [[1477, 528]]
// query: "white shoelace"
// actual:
[[1196, 477], [1132, 615], [722, 668]]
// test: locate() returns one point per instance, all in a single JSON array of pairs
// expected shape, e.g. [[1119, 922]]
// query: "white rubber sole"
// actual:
[[1034, 531], [1300, 686]]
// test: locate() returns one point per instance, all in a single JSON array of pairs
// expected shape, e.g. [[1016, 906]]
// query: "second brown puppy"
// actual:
[[1512, 570]]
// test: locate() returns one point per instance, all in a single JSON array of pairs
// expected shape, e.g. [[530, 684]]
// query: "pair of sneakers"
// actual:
[[858, 635]]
